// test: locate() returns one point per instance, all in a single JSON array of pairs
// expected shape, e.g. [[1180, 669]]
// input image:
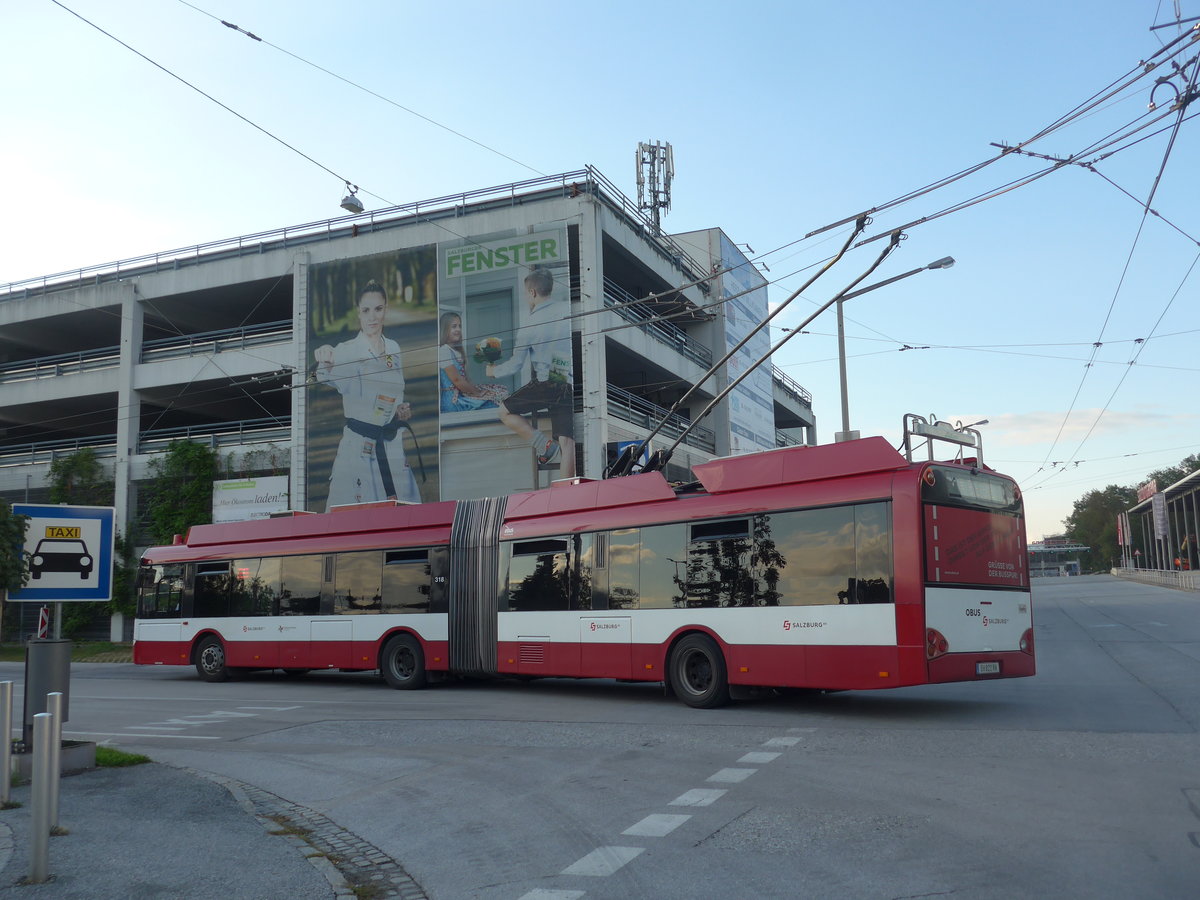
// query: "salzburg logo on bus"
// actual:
[[788, 626]]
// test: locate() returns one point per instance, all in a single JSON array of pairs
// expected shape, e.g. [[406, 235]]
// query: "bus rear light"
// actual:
[[935, 644], [1027, 641]]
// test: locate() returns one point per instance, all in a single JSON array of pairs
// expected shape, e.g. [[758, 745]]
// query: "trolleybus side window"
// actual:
[[358, 583], [300, 585], [832, 555], [539, 576], [624, 568], [646, 567], [720, 568], [210, 590], [160, 591], [254, 588], [407, 581]]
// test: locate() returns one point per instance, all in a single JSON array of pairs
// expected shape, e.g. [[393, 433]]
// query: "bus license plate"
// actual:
[[987, 668]]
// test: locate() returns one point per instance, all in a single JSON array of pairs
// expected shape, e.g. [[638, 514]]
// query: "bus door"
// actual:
[[353, 586]]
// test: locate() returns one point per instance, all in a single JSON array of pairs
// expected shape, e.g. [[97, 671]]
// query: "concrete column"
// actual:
[[299, 461], [594, 433], [128, 426], [129, 406]]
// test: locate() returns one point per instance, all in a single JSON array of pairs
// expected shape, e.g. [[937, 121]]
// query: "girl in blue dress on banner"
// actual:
[[458, 393]]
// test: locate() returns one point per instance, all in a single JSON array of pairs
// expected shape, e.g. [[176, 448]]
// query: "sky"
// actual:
[[784, 117]]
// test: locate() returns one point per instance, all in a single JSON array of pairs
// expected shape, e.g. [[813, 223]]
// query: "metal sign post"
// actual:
[[70, 552]]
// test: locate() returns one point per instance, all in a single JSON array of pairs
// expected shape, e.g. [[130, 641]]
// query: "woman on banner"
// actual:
[[367, 371], [458, 392]]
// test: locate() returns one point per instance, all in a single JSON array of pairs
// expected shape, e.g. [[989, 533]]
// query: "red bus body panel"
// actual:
[[792, 478]]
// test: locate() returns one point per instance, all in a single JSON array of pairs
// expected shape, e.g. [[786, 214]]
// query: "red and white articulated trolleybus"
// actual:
[[840, 567]]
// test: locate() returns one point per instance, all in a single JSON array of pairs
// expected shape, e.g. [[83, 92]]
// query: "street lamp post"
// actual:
[[846, 434]]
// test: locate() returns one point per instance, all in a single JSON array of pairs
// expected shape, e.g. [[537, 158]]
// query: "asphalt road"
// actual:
[[1081, 782]]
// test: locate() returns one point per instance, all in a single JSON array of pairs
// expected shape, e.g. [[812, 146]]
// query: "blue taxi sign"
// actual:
[[69, 550]]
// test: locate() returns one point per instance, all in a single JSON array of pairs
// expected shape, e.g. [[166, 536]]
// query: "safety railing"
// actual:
[[586, 180], [61, 364], [1183, 581], [792, 387], [639, 411], [218, 434], [212, 434], [43, 452], [217, 341], [619, 301], [785, 440]]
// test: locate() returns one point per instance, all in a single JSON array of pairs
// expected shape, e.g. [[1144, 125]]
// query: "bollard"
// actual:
[[54, 706], [39, 858], [6, 710]]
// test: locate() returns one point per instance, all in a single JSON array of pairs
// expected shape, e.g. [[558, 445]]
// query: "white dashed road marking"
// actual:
[[731, 776], [606, 860], [759, 757], [781, 742], [603, 861], [699, 797], [657, 825]]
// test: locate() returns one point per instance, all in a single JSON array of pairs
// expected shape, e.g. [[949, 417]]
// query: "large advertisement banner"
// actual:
[[242, 499], [505, 363], [372, 394]]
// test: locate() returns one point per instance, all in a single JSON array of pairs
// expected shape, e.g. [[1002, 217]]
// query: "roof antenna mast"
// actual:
[[655, 169]]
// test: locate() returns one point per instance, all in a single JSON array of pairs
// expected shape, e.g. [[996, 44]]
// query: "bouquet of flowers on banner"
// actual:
[[488, 350]]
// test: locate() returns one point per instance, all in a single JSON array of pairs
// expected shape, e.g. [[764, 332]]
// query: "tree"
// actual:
[[1168, 476], [80, 479], [180, 491], [1093, 523], [14, 567]]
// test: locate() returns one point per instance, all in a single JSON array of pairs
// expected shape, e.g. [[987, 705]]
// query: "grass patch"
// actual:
[[287, 827], [110, 757], [366, 890], [81, 651]]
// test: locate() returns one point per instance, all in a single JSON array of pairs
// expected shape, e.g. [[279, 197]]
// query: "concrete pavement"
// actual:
[[154, 831]]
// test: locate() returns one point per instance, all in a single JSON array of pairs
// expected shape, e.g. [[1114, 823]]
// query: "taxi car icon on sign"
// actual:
[[60, 555]]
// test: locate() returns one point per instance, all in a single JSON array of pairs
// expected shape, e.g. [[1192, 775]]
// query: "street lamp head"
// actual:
[[350, 203], [944, 263]]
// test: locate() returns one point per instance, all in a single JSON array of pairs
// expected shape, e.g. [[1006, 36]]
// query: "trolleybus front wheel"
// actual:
[[210, 660], [403, 663], [698, 674]]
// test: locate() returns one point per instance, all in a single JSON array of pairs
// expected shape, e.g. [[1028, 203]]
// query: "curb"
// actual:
[[344, 858]]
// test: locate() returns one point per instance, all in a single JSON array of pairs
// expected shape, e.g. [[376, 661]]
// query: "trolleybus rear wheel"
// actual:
[[698, 674], [403, 663], [210, 660]]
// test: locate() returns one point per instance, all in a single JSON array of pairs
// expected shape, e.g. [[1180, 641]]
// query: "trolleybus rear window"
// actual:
[[973, 529]]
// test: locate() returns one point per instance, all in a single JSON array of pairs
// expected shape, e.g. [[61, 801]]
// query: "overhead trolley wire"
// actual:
[[203, 93], [361, 87]]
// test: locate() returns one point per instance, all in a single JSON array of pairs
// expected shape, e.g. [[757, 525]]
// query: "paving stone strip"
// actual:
[[341, 856]]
